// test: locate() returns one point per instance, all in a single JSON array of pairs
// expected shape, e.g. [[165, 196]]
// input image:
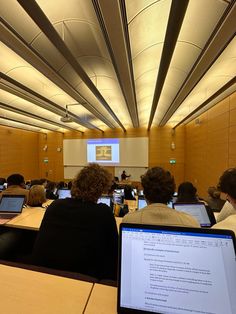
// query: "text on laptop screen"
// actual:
[[63, 193], [177, 272], [197, 210], [11, 204]]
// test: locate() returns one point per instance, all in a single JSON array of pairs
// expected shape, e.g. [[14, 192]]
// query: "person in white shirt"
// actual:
[[227, 216]]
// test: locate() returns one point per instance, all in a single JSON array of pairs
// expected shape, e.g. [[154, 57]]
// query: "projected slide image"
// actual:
[[103, 153]]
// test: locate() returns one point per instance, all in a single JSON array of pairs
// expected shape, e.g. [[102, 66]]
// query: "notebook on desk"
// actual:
[[204, 215], [10, 206], [176, 270]]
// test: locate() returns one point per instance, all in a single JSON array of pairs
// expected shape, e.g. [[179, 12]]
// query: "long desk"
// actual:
[[26, 291], [103, 300], [31, 219]]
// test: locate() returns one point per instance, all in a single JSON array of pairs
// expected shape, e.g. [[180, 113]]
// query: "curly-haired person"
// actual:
[[158, 189], [76, 233]]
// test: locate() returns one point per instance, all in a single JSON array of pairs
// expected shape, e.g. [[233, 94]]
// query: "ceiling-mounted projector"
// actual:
[[66, 118]]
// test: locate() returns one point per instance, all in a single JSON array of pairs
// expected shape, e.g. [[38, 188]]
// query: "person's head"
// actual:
[[90, 183], [69, 185], [61, 185], [158, 185], [213, 192], [124, 171], [187, 192], [128, 192], [43, 182], [51, 186], [227, 185], [35, 182], [2, 181], [16, 179], [36, 195]]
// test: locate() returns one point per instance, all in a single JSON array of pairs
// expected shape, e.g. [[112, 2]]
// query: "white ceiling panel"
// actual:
[[105, 61]]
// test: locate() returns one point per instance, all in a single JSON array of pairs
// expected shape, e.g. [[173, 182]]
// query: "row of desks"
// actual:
[[26, 291], [31, 219]]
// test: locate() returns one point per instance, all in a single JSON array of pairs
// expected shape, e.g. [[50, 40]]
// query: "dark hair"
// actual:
[[158, 185], [42, 181], [90, 183], [128, 193], [227, 182], [69, 185], [213, 192], [15, 179], [35, 182], [61, 185], [187, 192], [2, 181], [51, 186]]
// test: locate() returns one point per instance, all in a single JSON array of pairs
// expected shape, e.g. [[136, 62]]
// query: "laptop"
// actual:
[[203, 214], [105, 200], [141, 202], [63, 193], [10, 206], [176, 270]]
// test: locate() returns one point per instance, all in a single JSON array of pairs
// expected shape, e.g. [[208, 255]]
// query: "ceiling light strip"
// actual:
[[38, 16], [119, 60], [34, 116], [41, 101], [176, 17], [15, 42], [205, 103], [29, 124], [220, 38]]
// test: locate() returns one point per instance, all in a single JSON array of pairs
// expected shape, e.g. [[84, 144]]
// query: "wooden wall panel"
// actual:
[[210, 146], [53, 169], [18, 152]]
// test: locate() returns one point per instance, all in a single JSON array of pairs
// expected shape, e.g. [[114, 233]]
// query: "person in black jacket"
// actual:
[[77, 234]]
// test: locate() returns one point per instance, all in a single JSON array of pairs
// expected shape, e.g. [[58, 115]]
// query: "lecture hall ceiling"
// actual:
[[108, 64]]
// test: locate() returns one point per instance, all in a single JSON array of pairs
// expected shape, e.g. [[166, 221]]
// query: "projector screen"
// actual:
[[104, 151], [122, 152]]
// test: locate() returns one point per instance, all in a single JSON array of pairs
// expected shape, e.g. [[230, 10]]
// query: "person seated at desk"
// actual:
[[128, 193], [77, 234], [124, 176], [36, 196], [158, 188], [214, 201], [16, 186], [187, 193], [227, 185], [51, 190]]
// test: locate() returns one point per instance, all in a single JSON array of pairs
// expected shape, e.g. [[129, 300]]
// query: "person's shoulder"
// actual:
[[188, 220], [132, 217]]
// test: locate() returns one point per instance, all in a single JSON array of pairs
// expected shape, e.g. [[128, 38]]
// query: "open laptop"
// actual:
[[105, 200], [63, 193], [204, 215], [10, 206], [176, 270], [141, 202]]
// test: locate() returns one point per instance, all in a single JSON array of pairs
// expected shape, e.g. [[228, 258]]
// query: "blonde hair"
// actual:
[[37, 195]]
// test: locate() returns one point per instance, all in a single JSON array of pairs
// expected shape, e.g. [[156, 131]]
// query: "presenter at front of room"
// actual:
[[124, 176]]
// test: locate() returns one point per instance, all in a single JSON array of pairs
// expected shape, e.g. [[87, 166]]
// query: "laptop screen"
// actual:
[[12, 203], [63, 193], [199, 211], [105, 200], [141, 202], [176, 270]]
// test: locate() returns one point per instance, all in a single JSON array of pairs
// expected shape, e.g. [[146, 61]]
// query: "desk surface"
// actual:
[[103, 300], [31, 219], [26, 291]]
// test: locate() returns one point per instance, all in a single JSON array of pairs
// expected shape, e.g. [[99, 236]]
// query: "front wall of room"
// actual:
[[202, 151], [210, 146], [18, 152]]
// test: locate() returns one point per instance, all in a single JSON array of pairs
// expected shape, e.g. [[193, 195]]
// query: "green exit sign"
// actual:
[[172, 161]]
